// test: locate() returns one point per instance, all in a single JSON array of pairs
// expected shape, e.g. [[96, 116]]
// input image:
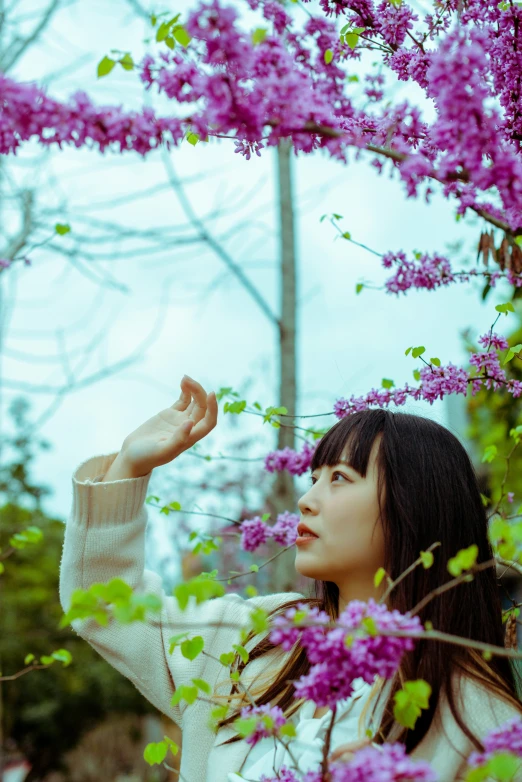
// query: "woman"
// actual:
[[384, 488]]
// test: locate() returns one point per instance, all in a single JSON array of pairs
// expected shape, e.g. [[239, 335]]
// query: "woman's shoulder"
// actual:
[[482, 708], [446, 746]]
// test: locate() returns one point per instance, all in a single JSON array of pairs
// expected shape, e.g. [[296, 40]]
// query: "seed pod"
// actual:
[[510, 639]]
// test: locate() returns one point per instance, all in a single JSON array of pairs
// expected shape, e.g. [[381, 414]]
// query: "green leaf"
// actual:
[[203, 685], [63, 656], [370, 626], [126, 62], [155, 753], [514, 350], [489, 453], [2, 567], [62, 228], [406, 352], [328, 56], [463, 560], [417, 374], [347, 235], [426, 559], [254, 568], [245, 726], [171, 43], [387, 383], [192, 647], [227, 658], [288, 730], [29, 658], [202, 588], [410, 701], [505, 308], [162, 31], [435, 362], [105, 66], [251, 591], [378, 577], [46, 659], [242, 652], [359, 287], [181, 36], [174, 641], [352, 39], [259, 35], [258, 620], [234, 407], [416, 352], [186, 692]]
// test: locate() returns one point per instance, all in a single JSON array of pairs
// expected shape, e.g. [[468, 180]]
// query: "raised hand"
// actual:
[[171, 431]]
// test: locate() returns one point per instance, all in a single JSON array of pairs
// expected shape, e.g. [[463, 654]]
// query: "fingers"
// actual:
[[208, 422], [200, 407], [345, 751], [192, 400]]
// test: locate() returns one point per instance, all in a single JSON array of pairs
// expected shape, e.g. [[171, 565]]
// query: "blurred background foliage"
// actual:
[[45, 713]]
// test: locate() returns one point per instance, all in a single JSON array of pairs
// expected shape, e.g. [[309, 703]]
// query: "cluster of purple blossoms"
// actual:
[[282, 86], [390, 763], [336, 660], [386, 763], [287, 775], [434, 383], [269, 720], [438, 382], [429, 272], [288, 459], [505, 738], [255, 532]]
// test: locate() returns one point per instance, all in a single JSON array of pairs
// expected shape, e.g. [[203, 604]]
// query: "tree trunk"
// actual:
[[283, 491]]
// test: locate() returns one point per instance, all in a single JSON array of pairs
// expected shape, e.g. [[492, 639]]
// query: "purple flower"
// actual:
[[254, 532], [284, 530], [384, 763], [506, 738], [348, 651], [269, 720]]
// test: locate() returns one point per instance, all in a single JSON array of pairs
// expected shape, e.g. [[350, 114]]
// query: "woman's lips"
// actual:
[[305, 538]]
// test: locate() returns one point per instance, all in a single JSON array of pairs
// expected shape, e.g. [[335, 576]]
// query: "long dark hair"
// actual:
[[428, 492]]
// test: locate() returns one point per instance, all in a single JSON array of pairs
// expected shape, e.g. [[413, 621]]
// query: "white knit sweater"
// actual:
[[105, 539]]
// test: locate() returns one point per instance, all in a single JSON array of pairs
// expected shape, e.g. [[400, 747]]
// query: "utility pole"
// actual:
[[283, 493], [2, 314]]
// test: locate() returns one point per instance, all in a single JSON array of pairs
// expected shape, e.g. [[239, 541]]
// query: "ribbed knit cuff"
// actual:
[[109, 503]]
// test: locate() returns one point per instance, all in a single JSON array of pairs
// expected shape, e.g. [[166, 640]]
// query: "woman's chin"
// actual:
[[306, 566]]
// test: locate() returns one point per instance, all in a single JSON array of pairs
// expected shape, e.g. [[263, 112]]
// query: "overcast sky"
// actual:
[[346, 343]]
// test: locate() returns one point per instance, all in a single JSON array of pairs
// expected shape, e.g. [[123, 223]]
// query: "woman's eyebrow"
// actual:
[[341, 461]]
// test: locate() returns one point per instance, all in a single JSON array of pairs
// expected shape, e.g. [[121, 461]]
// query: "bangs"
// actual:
[[350, 440]]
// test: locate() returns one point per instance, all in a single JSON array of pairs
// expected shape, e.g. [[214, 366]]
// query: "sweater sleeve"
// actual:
[[105, 539]]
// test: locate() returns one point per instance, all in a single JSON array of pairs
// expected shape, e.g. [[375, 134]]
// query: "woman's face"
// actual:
[[342, 509]]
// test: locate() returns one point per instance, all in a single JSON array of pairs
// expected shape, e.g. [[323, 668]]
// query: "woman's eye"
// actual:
[[312, 479]]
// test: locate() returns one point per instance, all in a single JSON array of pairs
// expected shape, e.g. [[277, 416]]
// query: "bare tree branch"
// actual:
[[219, 250], [18, 242], [17, 47]]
